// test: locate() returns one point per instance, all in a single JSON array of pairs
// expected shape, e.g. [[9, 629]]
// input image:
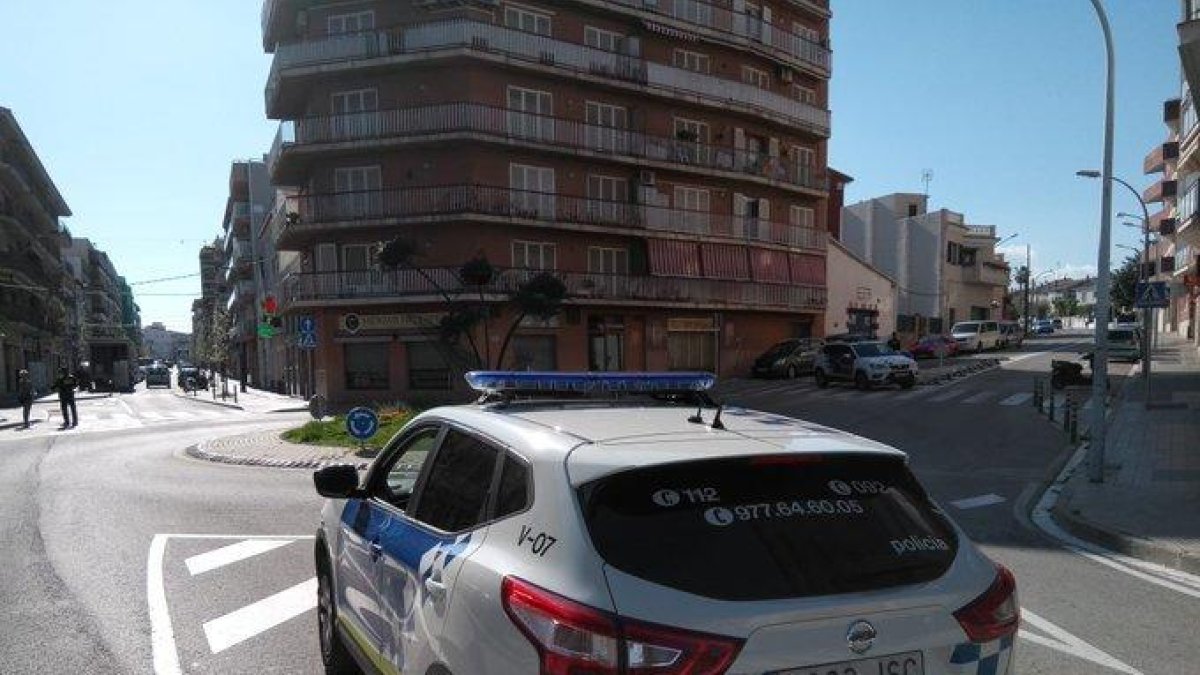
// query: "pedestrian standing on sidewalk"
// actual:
[[65, 386], [24, 394]]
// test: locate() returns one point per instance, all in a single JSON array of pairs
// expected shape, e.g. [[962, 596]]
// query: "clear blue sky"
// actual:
[[136, 108]]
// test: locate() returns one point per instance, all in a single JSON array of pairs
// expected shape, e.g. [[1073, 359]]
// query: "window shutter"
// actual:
[[739, 138], [773, 147], [764, 209]]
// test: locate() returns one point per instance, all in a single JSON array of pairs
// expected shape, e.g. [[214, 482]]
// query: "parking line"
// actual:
[[242, 624], [227, 555], [1017, 399]]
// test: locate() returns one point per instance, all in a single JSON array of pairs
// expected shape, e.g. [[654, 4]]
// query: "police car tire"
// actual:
[[334, 656]]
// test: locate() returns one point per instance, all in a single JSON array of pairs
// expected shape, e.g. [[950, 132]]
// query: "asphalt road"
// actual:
[[119, 548]]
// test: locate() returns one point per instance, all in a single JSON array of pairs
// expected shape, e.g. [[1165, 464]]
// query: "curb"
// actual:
[[967, 369], [200, 452], [199, 399], [1123, 542]]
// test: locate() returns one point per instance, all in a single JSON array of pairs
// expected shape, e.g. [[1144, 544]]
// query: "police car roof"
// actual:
[[604, 436]]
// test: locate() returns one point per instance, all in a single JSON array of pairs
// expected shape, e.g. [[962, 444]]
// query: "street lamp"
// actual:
[[1143, 273]]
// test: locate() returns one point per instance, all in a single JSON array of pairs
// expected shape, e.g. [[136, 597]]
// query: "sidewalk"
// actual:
[[1149, 503], [10, 416], [251, 400], [266, 448]]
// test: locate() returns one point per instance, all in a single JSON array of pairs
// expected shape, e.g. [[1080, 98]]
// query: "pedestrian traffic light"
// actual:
[[276, 322]]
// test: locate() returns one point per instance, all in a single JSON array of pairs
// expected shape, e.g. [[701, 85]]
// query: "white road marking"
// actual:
[[162, 635], [243, 624], [180, 415], [976, 502], [946, 396], [227, 555], [1017, 399], [150, 415], [1067, 643], [979, 398]]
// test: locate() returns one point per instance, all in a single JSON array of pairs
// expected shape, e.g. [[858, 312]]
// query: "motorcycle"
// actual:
[[1068, 373]]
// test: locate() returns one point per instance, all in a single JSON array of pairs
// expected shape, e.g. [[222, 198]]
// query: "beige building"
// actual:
[[861, 298]]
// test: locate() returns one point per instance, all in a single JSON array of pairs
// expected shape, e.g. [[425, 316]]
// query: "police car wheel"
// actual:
[[334, 655]]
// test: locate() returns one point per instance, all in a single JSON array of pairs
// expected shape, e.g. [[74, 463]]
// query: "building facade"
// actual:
[[665, 161], [862, 300], [165, 345], [35, 298], [946, 270], [242, 267]]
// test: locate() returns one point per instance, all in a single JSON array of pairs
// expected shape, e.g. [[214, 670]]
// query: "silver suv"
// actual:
[[866, 364]]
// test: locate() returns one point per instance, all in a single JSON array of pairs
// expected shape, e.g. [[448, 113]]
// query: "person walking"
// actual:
[[65, 386], [25, 394], [894, 342]]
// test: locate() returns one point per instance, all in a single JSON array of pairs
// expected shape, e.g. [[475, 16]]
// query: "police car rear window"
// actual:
[[772, 527]]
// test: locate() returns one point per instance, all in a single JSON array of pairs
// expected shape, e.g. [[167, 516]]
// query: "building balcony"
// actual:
[[1156, 160], [237, 218], [314, 216], [1164, 225], [411, 286], [1159, 191], [1189, 49], [988, 274], [461, 38], [297, 142]]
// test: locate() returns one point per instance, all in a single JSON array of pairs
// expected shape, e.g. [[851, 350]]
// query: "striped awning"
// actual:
[[725, 261], [674, 258], [770, 266], [807, 269]]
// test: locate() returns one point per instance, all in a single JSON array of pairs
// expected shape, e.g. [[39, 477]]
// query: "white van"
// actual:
[[976, 336]]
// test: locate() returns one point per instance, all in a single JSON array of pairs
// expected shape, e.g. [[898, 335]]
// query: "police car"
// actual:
[[623, 523]]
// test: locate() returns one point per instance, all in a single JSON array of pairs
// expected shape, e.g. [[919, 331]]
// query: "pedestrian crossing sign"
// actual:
[[306, 341], [1151, 294]]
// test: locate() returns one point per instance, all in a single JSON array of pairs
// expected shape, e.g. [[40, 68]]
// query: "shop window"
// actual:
[[366, 365], [427, 367], [534, 352]]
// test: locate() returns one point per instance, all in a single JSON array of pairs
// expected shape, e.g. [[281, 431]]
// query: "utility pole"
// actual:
[[1028, 274]]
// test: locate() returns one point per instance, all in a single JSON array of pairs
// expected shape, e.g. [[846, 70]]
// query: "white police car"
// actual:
[[546, 529]]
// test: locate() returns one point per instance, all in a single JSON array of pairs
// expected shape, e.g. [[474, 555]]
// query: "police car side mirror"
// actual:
[[339, 481]]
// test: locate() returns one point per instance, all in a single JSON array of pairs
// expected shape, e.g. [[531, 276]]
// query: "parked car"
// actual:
[[866, 364], [789, 358], [1124, 343], [850, 337], [1011, 334], [976, 336], [518, 535], [194, 376], [933, 346], [1057, 323], [1043, 327], [158, 375]]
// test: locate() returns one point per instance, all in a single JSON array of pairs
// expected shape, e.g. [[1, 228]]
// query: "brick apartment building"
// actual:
[[667, 161]]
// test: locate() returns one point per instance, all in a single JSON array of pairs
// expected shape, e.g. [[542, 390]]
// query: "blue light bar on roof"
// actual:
[[535, 381]]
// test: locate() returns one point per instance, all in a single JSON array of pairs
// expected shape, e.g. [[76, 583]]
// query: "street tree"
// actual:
[[1124, 284]]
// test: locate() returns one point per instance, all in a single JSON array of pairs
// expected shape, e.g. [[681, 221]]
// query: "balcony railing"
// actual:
[[238, 212], [984, 273], [522, 127], [747, 29], [316, 212], [581, 286], [981, 230], [544, 51]]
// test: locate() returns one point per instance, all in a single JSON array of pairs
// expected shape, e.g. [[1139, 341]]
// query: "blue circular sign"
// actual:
[[362, 423]]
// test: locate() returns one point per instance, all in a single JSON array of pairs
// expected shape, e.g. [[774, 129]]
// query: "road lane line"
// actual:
[[227, 555], [1017, 399], [1067, 643], [976, 502], [242, 624], [162, 636]]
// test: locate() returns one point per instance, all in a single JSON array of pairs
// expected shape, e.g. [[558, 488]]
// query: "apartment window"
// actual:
[[952, 252], [351, 114], [606, 40], [691, 138], [802, 216], [526, 20], [356, 257], [534, 189], [692, 207], [689, 60], [912, 210], [758, 78], [755, 18], [804, 94], [805, 158], [356, 101], [607, 196], [602, 260], [534, 255], [427, 367], [695, 11], [810, 34], [605, 126], [358, 191], [366, 365], [356, 22], [531, 113], [535, 352]]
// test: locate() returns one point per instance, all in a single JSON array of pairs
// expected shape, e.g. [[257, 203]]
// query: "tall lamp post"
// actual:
[[1143, 274], [996, 246]]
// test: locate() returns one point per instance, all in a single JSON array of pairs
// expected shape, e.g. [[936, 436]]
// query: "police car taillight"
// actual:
[[995, 614], [574, 639]]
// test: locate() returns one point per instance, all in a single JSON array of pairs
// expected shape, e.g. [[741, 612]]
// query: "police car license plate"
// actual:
[[908, 663]]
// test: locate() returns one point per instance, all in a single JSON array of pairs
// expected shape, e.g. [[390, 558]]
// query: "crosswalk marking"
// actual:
[[980, 397], [227, 555], [150, 415], [1017, 398], [243, 624], [946, 396]]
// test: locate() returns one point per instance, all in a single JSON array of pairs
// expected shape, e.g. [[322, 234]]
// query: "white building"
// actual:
[[162, 344]]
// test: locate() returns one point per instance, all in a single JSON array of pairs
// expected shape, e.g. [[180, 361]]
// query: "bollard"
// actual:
[[1037, 393], [1074, 430], [1067, 411], [1051, 413]]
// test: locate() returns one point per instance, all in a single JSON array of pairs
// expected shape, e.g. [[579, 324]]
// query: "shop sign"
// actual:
[[691, 324], [357, 323]]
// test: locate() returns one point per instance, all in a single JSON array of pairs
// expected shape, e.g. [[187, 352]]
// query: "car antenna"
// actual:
[[717, 423]]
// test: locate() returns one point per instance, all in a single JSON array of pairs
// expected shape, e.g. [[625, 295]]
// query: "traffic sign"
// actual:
[[1152, 294], [306, 324], [306, 341], [362, 423]]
